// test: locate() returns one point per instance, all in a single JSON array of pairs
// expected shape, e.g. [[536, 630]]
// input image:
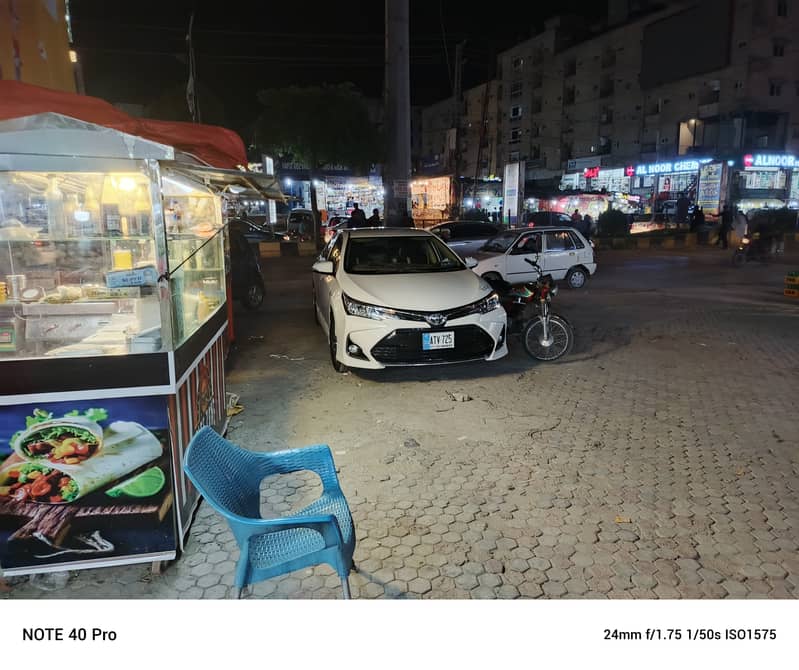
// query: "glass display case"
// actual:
[[84, 257], [193, 224]]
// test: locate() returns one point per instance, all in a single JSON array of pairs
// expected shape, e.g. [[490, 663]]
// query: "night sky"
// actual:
[[135, 52]]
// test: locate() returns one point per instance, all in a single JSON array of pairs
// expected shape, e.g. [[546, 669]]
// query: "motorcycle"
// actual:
[[546, 336], [755, 247]]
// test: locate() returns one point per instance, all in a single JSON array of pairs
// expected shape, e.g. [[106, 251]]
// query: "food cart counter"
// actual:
[[112, 315]]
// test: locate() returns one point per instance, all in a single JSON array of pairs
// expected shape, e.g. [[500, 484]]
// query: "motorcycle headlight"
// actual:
[[488, 304], [553, 290], [745, 240], [367, 311]]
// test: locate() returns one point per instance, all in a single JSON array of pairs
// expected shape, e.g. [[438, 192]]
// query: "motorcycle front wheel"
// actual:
[[560, 342]]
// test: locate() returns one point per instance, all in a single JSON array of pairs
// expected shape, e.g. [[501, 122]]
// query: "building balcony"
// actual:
[[709, 110]]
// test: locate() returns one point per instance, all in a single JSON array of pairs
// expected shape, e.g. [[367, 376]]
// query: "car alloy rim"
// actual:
[[578, 279]]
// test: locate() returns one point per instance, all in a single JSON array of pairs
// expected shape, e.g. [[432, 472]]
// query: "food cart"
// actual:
[[112, 316]]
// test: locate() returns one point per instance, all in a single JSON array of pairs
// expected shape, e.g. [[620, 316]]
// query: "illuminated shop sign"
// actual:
[[591, 172], [629, 171], [669, 167], [770, 161]]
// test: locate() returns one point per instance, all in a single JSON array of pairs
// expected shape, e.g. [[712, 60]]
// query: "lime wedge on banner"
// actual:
[[143, 485]]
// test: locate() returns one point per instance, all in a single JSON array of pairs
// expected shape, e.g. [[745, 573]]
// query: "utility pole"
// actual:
[[398, 114], [456, 115], [191, 88]]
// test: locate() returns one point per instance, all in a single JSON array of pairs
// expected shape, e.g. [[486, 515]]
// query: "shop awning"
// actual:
[[54, 134], [212, 145], [234, 182]]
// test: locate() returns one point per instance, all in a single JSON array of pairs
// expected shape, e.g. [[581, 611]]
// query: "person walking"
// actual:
[[357, 217], [586, 225], [726, 225], [374, 220], [576, 218]]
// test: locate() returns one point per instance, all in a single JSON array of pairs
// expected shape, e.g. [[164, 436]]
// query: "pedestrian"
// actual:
[[374, 220], [576, 218], [699, 218], [587, 225], [724, 229], [357, 217]]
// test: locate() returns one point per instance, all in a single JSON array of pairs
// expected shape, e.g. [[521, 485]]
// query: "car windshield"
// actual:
[[501, 242], [381, 255]]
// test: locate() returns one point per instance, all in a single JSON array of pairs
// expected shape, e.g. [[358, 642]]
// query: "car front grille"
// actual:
[[404, 346]]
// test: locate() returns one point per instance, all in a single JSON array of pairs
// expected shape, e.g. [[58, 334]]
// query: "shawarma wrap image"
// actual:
[[70, 440], [126, 447]]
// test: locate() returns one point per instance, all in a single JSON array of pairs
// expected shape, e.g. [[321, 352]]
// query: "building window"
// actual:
[[762, 142], [515, 135], [739, 84], [775, 89], [516, 89], [782, 8], [518, 63], [516, 112], [778, 48], [513, 156], [607, 115]]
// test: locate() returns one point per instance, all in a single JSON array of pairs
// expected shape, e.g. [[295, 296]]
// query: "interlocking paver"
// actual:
[[710, 516]]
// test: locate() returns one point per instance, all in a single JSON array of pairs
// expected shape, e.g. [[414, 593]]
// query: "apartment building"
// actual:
[[709, 78]]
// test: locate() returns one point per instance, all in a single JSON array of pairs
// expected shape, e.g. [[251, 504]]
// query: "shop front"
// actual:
[[659, 183], [431, 200], [765, 181], [597, 178], [112, 321]]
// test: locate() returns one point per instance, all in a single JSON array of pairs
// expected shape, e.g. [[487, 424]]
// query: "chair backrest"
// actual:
[[224, 473]]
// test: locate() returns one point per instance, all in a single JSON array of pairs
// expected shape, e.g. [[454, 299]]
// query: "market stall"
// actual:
[[112, 315]]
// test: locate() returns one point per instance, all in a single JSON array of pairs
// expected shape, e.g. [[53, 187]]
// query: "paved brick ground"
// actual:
[[659, 461]]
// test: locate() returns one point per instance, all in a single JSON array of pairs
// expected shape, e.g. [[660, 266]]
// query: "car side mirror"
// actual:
[[323, 267], [470, 262]]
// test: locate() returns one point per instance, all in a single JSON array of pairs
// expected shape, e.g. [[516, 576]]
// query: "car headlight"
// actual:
[[488, 304], [367, 311]]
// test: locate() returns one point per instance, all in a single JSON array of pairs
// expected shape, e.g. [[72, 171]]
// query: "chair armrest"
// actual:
[[324, 524]]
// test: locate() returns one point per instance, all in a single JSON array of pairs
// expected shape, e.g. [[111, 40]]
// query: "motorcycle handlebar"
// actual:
[[533, 263]]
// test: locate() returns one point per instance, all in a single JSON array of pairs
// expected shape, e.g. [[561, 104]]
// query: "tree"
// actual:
[[318, 126]]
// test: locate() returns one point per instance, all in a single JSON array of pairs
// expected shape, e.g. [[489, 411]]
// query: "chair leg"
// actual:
[[345, 584]]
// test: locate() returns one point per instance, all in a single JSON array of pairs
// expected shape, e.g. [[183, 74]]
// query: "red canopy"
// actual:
[[214, 145]]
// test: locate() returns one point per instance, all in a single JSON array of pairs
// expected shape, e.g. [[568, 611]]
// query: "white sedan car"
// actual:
[[399, 296], [560, 251]]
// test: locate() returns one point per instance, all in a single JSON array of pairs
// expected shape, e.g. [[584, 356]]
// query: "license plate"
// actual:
[[445, 340]]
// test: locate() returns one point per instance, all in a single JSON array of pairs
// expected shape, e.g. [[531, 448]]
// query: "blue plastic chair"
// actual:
[[229, 478]]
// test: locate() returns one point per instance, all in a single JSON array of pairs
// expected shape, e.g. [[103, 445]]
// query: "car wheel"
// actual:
[[333, 343], [254, 297], [576, 277]]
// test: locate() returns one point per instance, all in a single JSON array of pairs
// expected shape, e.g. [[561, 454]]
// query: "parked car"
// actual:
[[561, 252], [256, 233], [465, 237], [300, 224], [536, 219], [395, 296], [245, 270]]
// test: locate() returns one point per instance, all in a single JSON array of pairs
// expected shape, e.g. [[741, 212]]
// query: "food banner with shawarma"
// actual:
[[85, 483]]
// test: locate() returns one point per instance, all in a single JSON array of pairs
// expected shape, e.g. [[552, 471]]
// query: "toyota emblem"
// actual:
[[436, 319]]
